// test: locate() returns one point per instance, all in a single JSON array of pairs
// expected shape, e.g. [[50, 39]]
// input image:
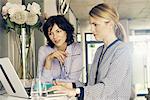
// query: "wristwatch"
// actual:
[[77, 92]]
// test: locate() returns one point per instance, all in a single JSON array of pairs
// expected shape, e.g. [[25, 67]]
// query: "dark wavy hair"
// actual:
[[63, 24]]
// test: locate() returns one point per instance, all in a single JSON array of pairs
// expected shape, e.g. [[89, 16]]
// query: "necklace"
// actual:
[[101, 57]]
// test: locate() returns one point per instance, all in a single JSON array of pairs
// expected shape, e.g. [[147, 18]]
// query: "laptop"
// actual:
[[11, 81]]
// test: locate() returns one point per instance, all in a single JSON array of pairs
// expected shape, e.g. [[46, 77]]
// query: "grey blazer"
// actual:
[[114, 74]]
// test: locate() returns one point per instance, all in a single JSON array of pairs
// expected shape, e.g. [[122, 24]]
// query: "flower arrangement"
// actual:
[[20, 18], [17, 16]]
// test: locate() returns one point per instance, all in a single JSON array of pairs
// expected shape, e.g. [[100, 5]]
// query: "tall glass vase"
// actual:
[[27, 53], [23, 52]]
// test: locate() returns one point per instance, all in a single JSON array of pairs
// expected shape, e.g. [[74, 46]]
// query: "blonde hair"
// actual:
[[108, 12]]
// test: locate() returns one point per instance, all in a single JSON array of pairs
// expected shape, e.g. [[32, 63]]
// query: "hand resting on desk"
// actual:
[[63, 88]]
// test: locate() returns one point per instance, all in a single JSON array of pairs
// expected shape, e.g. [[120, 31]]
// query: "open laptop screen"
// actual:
[[10, 79]]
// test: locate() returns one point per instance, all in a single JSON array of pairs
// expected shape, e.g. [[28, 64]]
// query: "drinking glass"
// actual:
[[39, 88], [36, 88]]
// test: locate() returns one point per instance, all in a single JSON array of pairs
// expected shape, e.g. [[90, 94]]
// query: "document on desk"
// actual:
[[48, 93]]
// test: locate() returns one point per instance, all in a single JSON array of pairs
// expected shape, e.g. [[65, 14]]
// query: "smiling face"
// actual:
[[100, 27], [57, 35]]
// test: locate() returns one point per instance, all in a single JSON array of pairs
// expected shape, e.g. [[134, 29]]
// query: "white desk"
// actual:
[[7, 97]]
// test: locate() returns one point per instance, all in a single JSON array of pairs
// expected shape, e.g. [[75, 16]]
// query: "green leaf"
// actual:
[[9, 23], [28, 29], [18, 29]]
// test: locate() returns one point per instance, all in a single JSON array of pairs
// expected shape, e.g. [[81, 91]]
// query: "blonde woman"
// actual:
[[110, 77]]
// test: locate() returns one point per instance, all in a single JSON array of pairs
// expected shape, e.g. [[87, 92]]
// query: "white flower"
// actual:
[[16, 8], [19, 17], [18, 14], [34, 8], [31, 18], [6, 8]]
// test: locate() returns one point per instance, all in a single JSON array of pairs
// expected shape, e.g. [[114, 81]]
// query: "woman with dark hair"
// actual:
[[61, 58]]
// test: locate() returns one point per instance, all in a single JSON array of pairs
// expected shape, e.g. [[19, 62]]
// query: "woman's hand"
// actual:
[[60, 55], [64, 84], [63, 90]]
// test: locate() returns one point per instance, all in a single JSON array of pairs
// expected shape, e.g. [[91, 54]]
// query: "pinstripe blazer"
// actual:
[[114, 74]]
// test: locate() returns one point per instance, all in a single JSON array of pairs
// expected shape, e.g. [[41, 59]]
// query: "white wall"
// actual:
[[85, 26], [50, 7], [72, 19], [139, 24]]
